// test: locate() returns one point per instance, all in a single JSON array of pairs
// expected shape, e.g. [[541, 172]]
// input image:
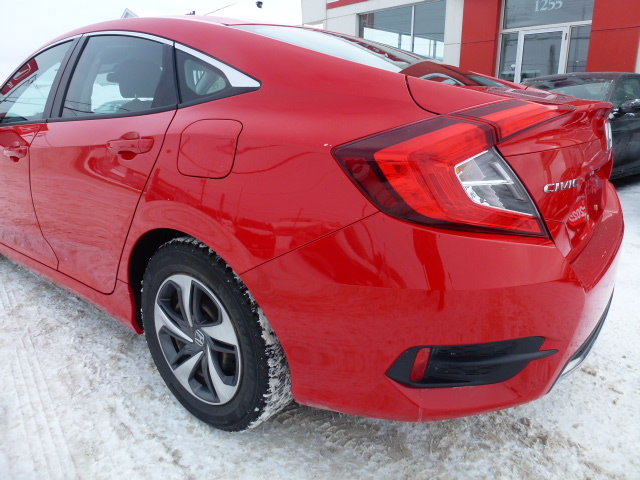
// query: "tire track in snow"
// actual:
[[53, 416], [29, 412], [45, 420], [21, 415], [7, 299]]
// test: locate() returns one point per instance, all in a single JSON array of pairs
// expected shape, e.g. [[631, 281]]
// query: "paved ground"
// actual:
[[79, 398]]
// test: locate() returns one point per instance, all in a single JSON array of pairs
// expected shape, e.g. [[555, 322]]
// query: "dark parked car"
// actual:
[[621, 89]]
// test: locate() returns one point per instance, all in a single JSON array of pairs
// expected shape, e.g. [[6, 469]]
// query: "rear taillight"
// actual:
[[442, 172], [608, 135], [514, 116]]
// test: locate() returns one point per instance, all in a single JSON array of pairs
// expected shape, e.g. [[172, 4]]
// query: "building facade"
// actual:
[[511, 39]]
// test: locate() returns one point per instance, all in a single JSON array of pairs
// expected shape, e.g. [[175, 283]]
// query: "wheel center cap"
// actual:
[[198, 337]]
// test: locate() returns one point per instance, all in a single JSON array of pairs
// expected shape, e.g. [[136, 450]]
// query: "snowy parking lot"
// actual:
[[80, 398]]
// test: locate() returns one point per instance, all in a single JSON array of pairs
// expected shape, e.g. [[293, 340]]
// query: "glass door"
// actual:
[[541, 52]]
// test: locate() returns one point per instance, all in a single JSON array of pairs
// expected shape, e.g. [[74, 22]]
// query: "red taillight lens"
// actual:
[[442, 172]]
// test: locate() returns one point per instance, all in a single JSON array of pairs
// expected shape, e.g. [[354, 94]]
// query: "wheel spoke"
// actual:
[[185, 287], [223, 391], [223, 331], [198, 339], [162, 319], [185, 369]]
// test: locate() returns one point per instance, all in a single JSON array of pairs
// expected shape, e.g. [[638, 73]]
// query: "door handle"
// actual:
[[16, 152], [130, 144]]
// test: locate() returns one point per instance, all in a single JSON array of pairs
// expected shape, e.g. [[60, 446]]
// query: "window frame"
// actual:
[[57, 81], [57, 103], [225, 68]]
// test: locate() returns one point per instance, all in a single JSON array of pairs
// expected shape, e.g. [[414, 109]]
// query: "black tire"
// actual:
[[250, 380]]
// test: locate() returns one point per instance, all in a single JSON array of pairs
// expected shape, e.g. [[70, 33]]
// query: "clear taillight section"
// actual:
[[489, 181], [608, 135], [442, 172]]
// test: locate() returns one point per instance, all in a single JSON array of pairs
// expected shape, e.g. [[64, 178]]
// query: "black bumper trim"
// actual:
[[469, 365], [586, 347]]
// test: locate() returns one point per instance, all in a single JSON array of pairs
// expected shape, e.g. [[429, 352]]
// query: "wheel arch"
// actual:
[[142, 251]]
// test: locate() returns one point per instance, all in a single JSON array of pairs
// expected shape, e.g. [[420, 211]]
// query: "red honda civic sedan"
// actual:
[[287, 216]]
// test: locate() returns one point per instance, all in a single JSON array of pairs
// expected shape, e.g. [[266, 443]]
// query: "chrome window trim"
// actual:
[[127, 33], [235, 77], [55, 44]]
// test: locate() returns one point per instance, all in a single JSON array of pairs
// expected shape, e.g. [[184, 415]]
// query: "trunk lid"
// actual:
[[560, 149], [566, 163], [556, 144]]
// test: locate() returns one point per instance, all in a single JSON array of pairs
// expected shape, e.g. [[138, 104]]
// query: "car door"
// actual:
[[90, 165], [24, 102], [626, 127]]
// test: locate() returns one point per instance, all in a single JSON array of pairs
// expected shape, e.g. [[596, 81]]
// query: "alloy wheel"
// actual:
[[198, 339]]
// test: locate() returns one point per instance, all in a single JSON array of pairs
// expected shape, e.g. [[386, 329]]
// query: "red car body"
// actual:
[[347, 287]]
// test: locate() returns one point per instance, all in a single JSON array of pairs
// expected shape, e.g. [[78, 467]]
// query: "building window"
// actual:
[[527, 13], [508, 56], [579, 48], [417, 28], [544, 37]]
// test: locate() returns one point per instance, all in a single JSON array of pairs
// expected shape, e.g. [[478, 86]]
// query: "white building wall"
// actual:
[[344, 24], [345, 20], [313, 11], [453, 31]]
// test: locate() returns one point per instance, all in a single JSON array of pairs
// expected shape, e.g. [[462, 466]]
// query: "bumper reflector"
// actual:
[[466, 365]]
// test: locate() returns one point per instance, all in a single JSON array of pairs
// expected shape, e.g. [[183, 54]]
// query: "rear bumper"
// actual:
[[348, 305], [581, 354]]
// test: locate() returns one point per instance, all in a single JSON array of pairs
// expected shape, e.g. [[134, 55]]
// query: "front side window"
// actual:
[[120, 75], [24, 97]]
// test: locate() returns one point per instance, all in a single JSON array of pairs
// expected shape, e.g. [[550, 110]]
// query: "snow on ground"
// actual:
[[80, 398]]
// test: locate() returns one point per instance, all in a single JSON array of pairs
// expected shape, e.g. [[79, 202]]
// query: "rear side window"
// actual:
[[120, 75], [203, 78], [199, 79], [24, 97]]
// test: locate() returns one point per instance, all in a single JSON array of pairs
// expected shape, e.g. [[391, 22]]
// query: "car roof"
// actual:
[[144, 24]]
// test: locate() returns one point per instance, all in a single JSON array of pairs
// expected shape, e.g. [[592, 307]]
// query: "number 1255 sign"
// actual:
[[545, 5]]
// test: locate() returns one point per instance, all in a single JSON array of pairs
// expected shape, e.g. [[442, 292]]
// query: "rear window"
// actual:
[[338, 45], [590, 88]]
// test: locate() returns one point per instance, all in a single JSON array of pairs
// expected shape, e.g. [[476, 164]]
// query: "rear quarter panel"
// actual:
[[285, 188]]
